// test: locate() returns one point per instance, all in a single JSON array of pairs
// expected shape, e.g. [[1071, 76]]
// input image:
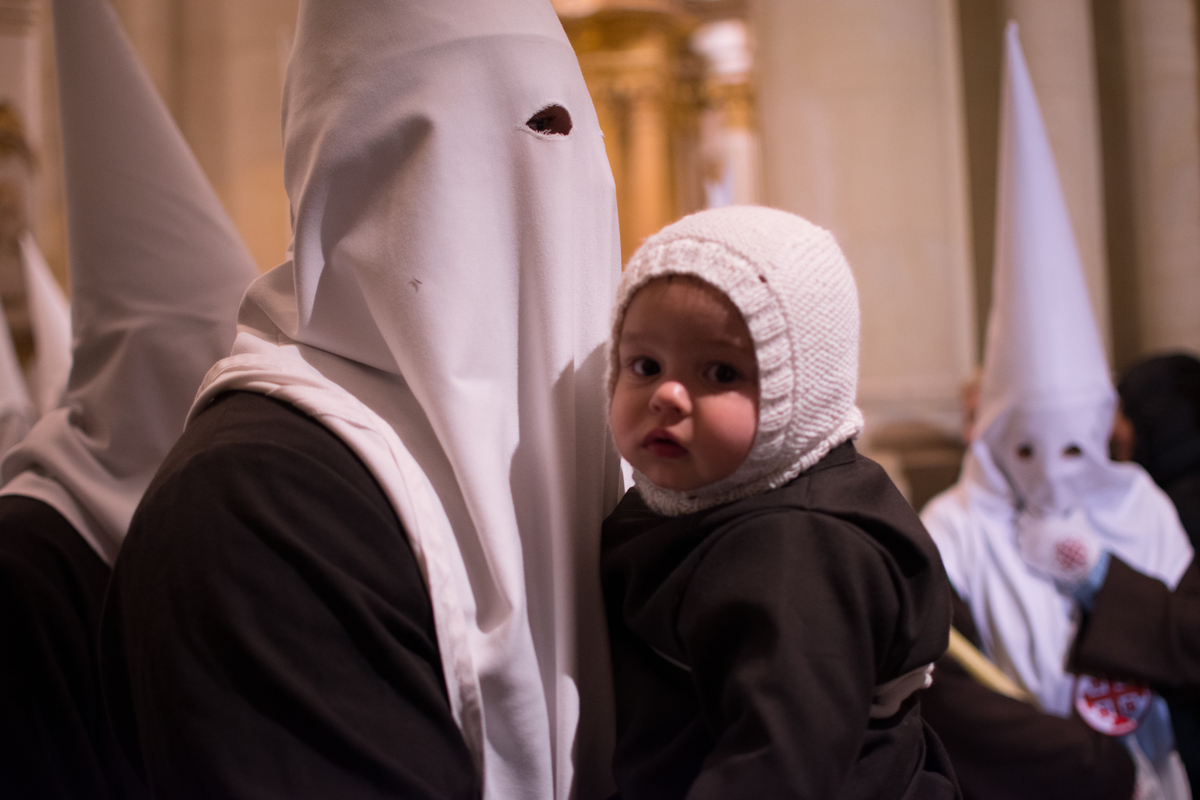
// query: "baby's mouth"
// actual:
[[662, 444]]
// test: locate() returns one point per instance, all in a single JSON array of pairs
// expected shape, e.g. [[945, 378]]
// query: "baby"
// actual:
[[773, 602]]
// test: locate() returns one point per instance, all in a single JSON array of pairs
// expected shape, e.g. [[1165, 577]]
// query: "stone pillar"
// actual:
[[638, 72], [229, 93], [728, 139], [860, 113], [1164, 142], [1057, 40]]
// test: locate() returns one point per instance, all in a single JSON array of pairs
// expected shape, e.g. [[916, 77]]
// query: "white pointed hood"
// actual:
[[16, 410], [443, 311], [1045, 385], [156, 273], [50, 321], [1046, 388]]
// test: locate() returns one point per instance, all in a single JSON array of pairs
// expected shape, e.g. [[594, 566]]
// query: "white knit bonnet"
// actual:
[[794, 289]]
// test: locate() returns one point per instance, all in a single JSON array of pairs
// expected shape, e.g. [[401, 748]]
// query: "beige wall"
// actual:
[[862, 132], [1164, 157]]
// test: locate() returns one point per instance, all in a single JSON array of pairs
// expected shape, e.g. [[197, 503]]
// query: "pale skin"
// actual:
[[684, 410]]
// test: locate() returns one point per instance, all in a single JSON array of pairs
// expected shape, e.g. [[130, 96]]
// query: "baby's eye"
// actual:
[[1025, 452], [1072, 451], [645, 367], [722, 373]]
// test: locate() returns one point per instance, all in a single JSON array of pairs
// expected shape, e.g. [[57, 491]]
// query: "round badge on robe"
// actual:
[[1111, 707]]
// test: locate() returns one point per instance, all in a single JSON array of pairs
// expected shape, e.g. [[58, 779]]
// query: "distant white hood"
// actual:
[[50, 322], [1045, 386], [157, 270]]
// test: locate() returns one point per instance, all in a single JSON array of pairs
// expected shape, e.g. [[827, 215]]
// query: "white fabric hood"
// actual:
[[450, 273], [1046, 387], [50, 320], [16, 409], [156, 273]]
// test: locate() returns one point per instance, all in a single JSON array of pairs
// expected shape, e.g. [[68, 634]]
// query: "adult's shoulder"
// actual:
[[239, 421], [253, 473]]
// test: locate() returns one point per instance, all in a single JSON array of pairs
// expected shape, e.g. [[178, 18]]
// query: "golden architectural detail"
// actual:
[[646, 87]]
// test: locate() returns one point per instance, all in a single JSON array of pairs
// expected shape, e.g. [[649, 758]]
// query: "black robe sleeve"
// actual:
[[1142, 630], [1004, 749], [786, 623], [267, 632], [55, 743]]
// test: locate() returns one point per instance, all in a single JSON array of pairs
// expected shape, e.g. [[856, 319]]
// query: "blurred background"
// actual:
[[877, 119]]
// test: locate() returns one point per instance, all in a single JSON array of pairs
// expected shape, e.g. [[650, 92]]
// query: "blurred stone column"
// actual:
[[860, 112], [646, 161], [1164, 143], [634, 59], [229, 91], [1057, 40], [728, 139]]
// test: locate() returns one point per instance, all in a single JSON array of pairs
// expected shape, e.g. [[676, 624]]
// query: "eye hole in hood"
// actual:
[[552, 120]]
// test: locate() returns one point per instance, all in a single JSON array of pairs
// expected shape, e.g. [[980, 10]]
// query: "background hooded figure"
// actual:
[[157, 270], [1040, 506], [372, 557]]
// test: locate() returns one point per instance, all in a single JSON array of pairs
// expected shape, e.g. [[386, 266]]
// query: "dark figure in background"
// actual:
[[1160, 402], [1161, 399]]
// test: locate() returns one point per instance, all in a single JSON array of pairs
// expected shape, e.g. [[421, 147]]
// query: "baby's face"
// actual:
[[685, 407]]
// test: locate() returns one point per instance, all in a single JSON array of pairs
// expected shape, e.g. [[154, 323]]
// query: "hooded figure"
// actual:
[[1039, 501], [439, 323], [157, 270]]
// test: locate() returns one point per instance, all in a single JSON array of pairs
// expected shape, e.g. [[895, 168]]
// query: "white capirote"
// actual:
[[157, 270], [1041, 436]]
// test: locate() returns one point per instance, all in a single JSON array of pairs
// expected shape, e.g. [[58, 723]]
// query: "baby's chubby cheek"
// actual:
[[725, 430], [623, 421]]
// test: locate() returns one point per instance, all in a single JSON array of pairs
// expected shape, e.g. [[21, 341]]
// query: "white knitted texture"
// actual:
[[794, 289]]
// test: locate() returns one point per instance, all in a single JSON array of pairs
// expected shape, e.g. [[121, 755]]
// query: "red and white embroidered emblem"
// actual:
[[1111, 707], [1071, 555]]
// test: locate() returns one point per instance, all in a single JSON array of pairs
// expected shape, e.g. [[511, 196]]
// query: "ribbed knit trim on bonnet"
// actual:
[[794, 289]]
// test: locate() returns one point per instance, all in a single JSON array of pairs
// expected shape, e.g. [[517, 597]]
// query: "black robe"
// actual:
[[267, 632], [1161, 398], [748, 639], [55, 742], [1004, 749]]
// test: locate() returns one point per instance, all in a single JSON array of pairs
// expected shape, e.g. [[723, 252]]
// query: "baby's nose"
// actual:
[[671, 396]]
